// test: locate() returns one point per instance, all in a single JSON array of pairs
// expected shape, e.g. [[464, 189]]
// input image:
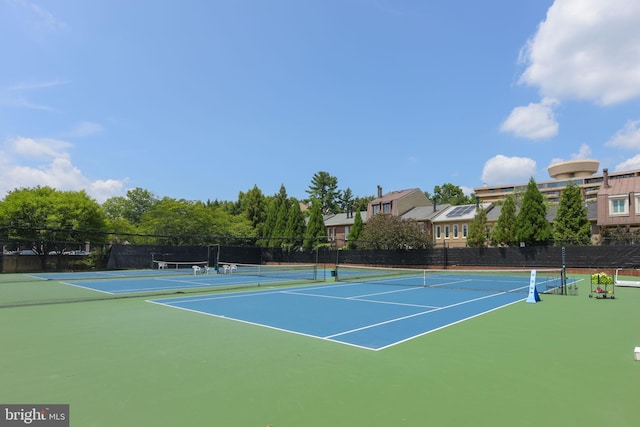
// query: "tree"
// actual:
[[315, 234], [280, 227], [504, 233], [390, 232], [180, 222], [254, 206], [49, 220], [269, 227], [324, 190], [361, 203], [345, 200], [532, 227], [571, 223], [356, 231], [478, 230], [449, 193], [294, 232]]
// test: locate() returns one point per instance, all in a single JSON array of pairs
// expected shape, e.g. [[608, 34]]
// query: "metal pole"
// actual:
[[563, 274]]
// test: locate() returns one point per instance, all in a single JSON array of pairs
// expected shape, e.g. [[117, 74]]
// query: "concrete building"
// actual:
[[580, 172]]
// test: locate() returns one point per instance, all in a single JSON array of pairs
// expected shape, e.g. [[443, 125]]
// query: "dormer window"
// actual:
[[618, 205]]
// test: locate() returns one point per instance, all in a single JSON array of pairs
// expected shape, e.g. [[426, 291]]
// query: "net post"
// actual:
[[533, 291], [563, 273]]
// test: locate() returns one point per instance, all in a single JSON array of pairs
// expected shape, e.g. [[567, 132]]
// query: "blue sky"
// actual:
[[203, 99]]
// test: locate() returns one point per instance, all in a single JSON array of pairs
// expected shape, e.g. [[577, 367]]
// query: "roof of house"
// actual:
[[621, 186], [461, 212], [396, 195], [333, 220], [424, 213]]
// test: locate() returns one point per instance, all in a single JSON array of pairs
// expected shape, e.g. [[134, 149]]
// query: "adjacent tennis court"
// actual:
[[373, 308]]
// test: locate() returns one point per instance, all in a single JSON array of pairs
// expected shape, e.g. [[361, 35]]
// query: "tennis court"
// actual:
[[166, 280], [119, 360], [371, 309]]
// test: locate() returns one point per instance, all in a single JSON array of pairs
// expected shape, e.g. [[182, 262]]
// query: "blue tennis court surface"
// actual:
[[109, 274], [159, 284], [370, 316]]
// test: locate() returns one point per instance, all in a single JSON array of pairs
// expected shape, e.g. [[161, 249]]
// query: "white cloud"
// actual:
[[468, 191], [45, 147], [586, 49], [101, 190], [628, 137], [504, 170], [27, 162], [534, 121], [629, 164], [584, 152]]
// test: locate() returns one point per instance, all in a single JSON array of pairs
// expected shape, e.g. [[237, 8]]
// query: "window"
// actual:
[[347, 229], [376, 209], [332, 233], [618, 206], [455, 231], [437, 231], [637, 204], [446, 231], [386, 208], [465, 231]]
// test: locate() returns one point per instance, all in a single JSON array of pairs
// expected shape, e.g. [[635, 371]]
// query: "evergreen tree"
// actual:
[[280, 227], [269, 222], [254, 205], [532, 226], [316, 233], [345, 200], [504, 233], [294, 231], [269, 227], [356, 231], [324, 190], [571, 224], [478, 230]]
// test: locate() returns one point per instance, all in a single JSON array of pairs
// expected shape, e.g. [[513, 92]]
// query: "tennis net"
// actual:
[[281, 271], [511, 280], [184, 266]]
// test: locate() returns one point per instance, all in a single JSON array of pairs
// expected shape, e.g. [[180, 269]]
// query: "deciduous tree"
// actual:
[[390, 232]]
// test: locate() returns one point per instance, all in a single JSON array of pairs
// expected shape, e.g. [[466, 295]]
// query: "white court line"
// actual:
[[86, 287], [415, 315]]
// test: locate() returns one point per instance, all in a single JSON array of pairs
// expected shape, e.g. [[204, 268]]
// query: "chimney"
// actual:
[[379, 191], [434, 204], [605, 178]]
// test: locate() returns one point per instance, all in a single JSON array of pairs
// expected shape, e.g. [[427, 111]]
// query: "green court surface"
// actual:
[[565, 361]]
